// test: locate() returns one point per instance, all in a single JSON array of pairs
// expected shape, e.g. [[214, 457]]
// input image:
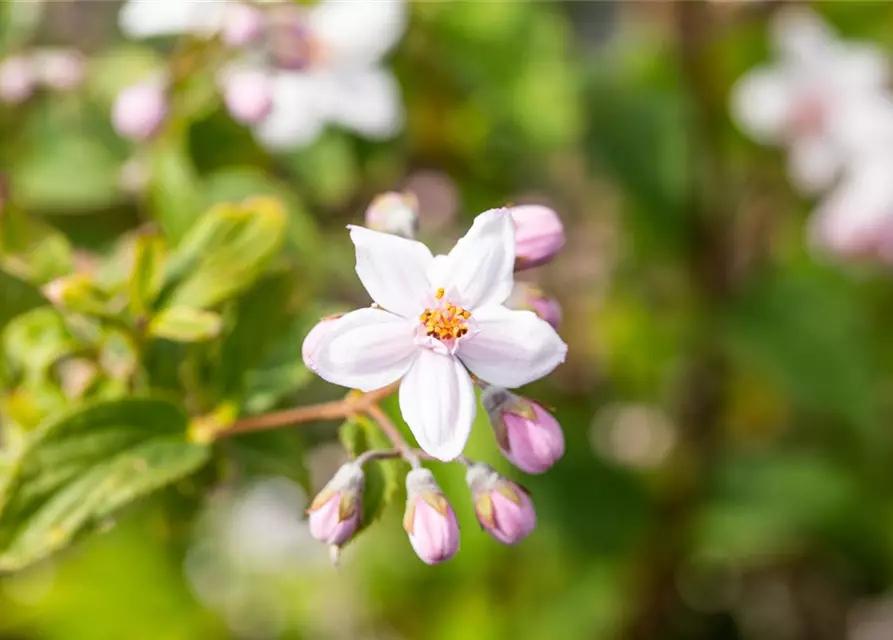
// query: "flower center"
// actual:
[[445, 321], [290, 42]]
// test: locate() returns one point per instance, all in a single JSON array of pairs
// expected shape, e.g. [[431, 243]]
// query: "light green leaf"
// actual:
[[383, 477], [32, 250], [182, 324], [174, 189], [224, 253], [79, 468], [148, 273], [33, 341]]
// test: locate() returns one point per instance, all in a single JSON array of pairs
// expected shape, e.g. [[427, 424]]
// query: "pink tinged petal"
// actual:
[[328, 522], [243, 24], [248, 95], [762, 103], [435, 535], [535, 442], [314, 339], [800, 34], [366, 100], [18, 79], [437, 401], [366, 349], [514, 521], [298, 113], [479, 270], [511, 348], [393, 270]]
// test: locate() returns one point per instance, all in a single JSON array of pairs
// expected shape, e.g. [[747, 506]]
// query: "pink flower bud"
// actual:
[[140, 110], [311, 342], [529, 437], [529, 297], [242, 25], [539, 235], [17, 79], [335, 512], [393, 212], [248, 94], [60, 69], [429, 519], [289, 39], [503, 508]]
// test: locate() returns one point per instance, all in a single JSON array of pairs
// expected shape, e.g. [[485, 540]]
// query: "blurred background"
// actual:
[[726, 397]]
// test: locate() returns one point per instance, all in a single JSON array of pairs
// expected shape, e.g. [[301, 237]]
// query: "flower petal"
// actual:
[[511, 348], [148, 18], [298, 113], [393, 270], [365, 349], [366, 100], [358, 32], [761, 104], [479, 270], [437, 402], [814, 162]]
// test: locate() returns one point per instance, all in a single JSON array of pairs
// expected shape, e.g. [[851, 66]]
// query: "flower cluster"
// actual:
[[288, 70], [22, 74], [440, 326], [827, 102]]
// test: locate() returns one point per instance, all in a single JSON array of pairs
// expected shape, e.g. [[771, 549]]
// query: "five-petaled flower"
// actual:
[[435, 319]]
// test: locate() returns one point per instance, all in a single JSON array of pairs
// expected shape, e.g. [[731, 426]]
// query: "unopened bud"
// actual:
[[393, 212], [503, 508], [529, 297], [529, 437], [17, 79], [242, 25], [429, 519], [140, 110], [539, 235], [248, 94], [335, 512], [60, 69], [316, 335]]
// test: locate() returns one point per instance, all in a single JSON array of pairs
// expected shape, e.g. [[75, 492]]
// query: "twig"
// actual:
[[393, 434], [351, 405]]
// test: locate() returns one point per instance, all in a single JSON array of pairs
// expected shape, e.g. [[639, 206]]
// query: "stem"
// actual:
[[377, 454], [351, 405], [393, 434]]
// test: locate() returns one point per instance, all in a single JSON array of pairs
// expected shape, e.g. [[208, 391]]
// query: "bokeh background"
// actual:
[[726, 398]]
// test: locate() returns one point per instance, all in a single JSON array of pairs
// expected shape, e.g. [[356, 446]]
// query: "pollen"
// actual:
[[448, 322], [439, 294]]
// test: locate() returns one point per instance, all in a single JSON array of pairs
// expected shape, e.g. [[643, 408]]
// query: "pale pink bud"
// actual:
[[289, 39], [17, 79], [393, 212], [503, 508], [140, 110], [529, 297], [248, 94], [335, 512], [243, 25], [314, 338], [60, 69], [429, 519], [539, 235], [529, 437]]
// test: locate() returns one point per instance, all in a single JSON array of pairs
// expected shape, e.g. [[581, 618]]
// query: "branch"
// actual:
[[351, 405]]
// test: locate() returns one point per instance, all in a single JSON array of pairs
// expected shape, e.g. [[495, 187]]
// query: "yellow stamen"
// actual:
[[448, 322], [439, 294]]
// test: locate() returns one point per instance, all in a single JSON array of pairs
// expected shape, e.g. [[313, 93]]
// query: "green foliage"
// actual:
[[79, 468]]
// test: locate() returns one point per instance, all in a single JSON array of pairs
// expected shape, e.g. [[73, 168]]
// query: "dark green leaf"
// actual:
[[182, 324], [174, 191], [16, 296]]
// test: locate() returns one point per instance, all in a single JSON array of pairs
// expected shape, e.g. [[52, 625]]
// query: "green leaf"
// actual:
[[148, 273], [174, 189], [16, 296], [32, 250], [33, 341], [224, 254], [383, 477], [182, 324], [81, 467]]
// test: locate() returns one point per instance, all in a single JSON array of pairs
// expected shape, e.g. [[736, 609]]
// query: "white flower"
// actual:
[[825, 99], [856, 219], [149, 18], [343, 82], [433, 318]]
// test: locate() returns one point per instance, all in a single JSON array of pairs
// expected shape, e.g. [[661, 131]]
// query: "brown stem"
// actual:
[[393, 434], [351, 405]]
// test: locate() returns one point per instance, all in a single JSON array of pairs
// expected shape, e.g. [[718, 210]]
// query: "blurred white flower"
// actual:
[[856, 219], [825, 99], [325, 66], [323, 63]]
